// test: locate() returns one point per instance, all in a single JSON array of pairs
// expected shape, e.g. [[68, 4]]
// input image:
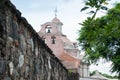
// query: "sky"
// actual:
[[38, 12]]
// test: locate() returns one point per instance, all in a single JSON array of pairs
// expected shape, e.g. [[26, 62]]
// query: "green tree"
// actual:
[[100, 38], [95, 5], [92, 73]]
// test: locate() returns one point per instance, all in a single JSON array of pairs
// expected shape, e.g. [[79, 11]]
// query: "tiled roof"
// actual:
[[68, 61]]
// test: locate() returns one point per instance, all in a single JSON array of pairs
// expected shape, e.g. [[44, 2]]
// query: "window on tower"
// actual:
[[75, 45], [53, 39], [48, 29]]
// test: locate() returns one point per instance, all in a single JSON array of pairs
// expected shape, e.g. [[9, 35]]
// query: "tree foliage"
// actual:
[[103, 74], [100, 38], [109, 76], [96, 5]]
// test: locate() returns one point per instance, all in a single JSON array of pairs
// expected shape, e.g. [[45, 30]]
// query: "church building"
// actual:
[[65, 50]]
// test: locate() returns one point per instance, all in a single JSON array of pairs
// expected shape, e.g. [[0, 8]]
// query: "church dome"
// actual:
[[56, 20]]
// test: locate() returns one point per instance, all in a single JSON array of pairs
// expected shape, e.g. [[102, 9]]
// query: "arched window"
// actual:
[[53, 40], [48, 29], [75, 45]]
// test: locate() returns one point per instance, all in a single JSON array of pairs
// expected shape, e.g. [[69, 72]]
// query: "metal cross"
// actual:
[[56, 12]]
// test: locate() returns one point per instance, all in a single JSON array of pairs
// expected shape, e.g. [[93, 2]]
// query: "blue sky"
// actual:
[[37, 12]]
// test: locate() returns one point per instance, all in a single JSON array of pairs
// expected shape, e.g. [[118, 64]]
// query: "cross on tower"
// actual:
[[56, 12]]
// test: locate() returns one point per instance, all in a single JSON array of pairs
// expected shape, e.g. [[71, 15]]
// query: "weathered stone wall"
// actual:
[[23, 54], [73, 76]]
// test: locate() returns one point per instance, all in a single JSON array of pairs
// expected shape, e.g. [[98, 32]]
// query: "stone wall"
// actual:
[[23, 54], [73, 76]]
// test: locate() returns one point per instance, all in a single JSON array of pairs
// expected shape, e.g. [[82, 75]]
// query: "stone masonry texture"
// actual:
[[23, 54]]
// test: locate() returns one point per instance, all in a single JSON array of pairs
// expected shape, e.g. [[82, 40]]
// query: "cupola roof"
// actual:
[[56, 20]]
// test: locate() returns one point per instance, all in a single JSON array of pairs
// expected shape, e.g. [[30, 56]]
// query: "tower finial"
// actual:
[[56, 12]]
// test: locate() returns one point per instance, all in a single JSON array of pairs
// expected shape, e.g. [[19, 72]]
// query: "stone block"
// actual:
[[2, 66]]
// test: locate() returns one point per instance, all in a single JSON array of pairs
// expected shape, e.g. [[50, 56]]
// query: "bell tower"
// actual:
[[57, 22]]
